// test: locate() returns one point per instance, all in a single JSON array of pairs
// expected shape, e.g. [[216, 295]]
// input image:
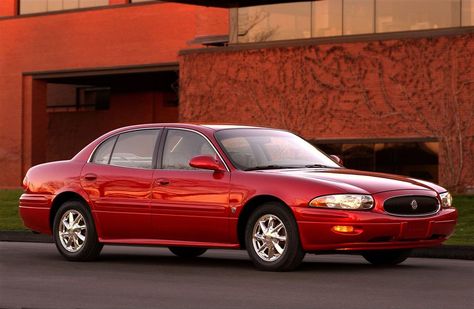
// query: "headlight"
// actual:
[[344, 201], [446, 200]]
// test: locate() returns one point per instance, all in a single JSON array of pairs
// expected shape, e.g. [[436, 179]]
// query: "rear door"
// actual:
[[118, 180]]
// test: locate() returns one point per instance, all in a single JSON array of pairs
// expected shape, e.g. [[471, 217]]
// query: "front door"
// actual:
[[118, 180], [189, 204]]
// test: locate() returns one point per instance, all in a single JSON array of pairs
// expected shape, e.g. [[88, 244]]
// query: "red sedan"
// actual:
[[194, 187]]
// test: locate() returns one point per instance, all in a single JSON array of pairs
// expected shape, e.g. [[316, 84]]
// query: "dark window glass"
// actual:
[[65, 97], [413, 159], [135, 149], [102, 153], [181, 146]]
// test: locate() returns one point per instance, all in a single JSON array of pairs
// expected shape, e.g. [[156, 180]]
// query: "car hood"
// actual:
[[357, 181]]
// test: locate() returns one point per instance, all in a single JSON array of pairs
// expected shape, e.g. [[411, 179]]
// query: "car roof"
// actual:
[[197, 126]]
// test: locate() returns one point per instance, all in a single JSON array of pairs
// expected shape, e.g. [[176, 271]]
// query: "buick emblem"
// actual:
[[414, 205]]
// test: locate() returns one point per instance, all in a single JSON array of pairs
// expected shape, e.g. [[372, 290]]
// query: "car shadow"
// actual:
[[242, 262]]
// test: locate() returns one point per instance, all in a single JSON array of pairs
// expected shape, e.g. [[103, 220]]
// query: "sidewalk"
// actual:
[[442, 252]]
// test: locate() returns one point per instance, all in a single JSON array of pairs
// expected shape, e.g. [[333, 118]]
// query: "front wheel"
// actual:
[[272, 239], [386, 257], [74, 232]]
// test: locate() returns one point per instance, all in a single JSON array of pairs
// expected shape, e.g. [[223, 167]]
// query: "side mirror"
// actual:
[[207, 163], [336, 159]]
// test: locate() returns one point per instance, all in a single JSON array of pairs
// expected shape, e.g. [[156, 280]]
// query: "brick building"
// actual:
[[386, 84]]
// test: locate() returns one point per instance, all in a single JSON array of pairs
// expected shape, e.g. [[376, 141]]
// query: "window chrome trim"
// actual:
[[117, 135], [162, 130], [206, 138]]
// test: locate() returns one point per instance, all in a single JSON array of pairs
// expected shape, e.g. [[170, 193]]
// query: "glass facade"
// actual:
[[327, 18], [275, 22], [346, 17], [358, 16], [467, 13], [403, 15], [41, 6], [389, 157]]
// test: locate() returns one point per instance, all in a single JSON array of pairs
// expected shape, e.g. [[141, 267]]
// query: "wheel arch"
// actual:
[[60, 199], [249, 208]]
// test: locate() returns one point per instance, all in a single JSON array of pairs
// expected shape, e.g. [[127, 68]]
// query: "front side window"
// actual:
[[134, 149], [181, 146], [261, 148], [41, 6]]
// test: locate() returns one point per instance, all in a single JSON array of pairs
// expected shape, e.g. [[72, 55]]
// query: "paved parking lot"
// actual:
[[33, 275]]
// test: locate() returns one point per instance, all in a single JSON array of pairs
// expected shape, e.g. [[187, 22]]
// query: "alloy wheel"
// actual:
[[269, 238], [72, 231]]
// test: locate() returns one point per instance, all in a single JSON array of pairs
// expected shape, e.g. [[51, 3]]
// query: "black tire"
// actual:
[[91, 247], [386, 257], [187, 252], [292, 253]]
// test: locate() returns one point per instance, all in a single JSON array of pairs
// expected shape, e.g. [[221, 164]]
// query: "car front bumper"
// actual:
[[371, 230]]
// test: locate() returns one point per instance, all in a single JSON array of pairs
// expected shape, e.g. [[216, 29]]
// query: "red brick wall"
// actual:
[[379, 89], [115, 36], [8, 7]]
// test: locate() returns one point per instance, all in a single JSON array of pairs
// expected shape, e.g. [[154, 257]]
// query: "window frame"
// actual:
[[164, 134], [159, 148], [116, 136]]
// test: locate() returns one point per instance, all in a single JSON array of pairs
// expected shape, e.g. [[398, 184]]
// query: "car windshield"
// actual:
[[254, 149]]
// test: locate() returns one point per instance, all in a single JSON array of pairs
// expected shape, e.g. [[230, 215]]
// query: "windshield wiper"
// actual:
[[318, 165], [269, 167]]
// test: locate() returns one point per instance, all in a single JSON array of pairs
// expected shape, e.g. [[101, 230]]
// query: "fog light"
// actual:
[[343, 228]]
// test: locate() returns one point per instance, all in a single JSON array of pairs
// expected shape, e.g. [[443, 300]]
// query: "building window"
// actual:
[[345, 17], [274, 22], [358, 17], [413, 159], [396, 15], [327, 18], [467, 13], [66, 98], [41, 6]]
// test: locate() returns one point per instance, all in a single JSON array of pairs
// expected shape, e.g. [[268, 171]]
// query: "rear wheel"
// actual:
[[187, 252], [386, 257], [74, 232], [272, 239]]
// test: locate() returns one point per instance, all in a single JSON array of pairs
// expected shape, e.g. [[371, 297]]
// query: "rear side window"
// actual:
[[135, 149], [102, 154]]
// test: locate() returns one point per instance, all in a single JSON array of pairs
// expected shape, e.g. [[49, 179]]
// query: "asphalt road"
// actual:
[[33, 275]]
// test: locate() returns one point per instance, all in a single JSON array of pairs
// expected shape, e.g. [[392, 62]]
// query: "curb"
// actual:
[[25, 236], [440, 252]]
